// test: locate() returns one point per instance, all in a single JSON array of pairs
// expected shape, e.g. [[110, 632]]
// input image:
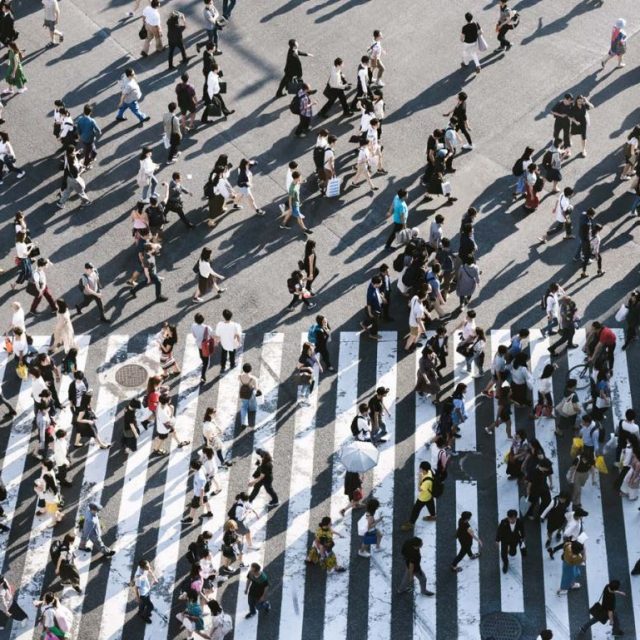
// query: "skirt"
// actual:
[[19, 81], [205, 285], [69, 573], [216, 206], [167, 360], [130, 443]]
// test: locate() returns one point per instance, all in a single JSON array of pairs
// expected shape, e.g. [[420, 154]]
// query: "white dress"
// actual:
[[63, 333]]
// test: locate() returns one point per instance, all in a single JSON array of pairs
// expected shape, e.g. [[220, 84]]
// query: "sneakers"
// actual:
[[285, 226], [364, 554], [468, 147], [273, 503], [407, 526]]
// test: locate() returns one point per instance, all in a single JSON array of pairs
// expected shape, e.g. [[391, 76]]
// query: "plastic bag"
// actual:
[[601, 465], [333, 188], [577, 445]]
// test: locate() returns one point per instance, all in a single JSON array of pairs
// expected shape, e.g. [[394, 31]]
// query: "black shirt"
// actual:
[[375, 405], [130, 424], [460, 112], [608, 600], [411, 555], [470, 32], [266, 469], [463, 535], [563, 109]]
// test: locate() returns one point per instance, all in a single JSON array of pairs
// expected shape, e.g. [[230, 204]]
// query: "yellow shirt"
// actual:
[[426, 487]]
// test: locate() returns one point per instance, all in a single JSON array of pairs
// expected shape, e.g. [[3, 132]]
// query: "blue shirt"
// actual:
[[400, 210], [88, 129], [373, 299]]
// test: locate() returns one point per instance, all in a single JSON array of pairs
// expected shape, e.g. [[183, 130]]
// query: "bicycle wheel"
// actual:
[[582, 375]]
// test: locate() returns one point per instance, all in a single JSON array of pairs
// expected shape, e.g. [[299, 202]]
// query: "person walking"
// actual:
[[468, 281], [175, 202], [150, 273], [562, 211], [373, 308], [88, 132], [363, 90], [176, 24], [229, 335], [594, 251], [91, 290], [604, 611], [368, 529], [375, 53], [573, 556], [212, 22], [256, 590], [40, 289], [618, 46], [187, 101], [152, 24], [580, 121], [562, 114], [294, 209], [51, 18], [292, 67], [204, 337], [465, 536], [143, 580], [412, 557], [245, 182], [305, 110], [263, 477], [568, 315], [92, 530], [425, 497], [469, 36], [65, 564], [130, 94], [74, 181], [15, 76], [200, 497], [207, 278], [172, 133], [8, 158], [336, 87], [510, 537], [399, 213]]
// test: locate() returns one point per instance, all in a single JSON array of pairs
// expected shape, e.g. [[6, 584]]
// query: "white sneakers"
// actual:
[[468, 147], [364, 554]]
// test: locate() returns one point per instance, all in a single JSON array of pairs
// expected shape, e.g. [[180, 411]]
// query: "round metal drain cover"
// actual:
[[131, 376], [500, 626]]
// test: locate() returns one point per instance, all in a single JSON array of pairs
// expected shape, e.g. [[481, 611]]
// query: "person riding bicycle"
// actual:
[[600, 345]]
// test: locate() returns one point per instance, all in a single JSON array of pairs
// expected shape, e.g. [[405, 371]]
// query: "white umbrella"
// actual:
[[359, 456]]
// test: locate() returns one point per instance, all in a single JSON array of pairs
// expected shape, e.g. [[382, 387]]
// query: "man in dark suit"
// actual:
[[509, 536], [7, 31], [440, 345], [292, 68]]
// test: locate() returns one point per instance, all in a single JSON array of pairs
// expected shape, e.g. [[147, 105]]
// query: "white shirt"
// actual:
[[211, 431], [545, 385], [329, 156], [363, 78], [227, 332], [416, 311], [572, 528], [151, 16], [213, 84], [468, 330], [197, 330], [363, 156], [375, 50], [17, 319], [40, 278], [364, 428], [60, 451], [223, 188], [553, 305], [561, 207], [288, 181], [378, 109], [199, 480], [335, 78], [163, 415], [142, 583], [148, 166], [365, 119], [21, 250], [209, 465], [20, 346], [205, 270], [38, 385], [630, 427]]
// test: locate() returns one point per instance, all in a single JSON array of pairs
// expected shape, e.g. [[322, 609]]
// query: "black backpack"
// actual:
[[55, 550], [208, 189], [192, 553], [517, 169], [318, 157], [291, 285], [355, 429], [294, 107], [398, 262], [547, 159], [155, 215], [231, 514]]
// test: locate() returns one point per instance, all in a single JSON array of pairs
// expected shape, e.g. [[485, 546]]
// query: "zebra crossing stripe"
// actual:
[[380, 584], [131, 502], [337, 585], [264, 436], [468, 429], [556, 608], [37, 554], [597, 565], [469, 577], [424, 609], [511, 591], [170, 527], [298, 516], [621, 401]]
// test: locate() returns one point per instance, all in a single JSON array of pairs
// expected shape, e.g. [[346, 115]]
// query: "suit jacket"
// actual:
[[293, 66], [504, 533], [7, 30], [440, 350]]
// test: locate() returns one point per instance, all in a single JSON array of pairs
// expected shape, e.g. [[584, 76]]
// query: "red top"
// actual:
[[152, 401], [607, 337]]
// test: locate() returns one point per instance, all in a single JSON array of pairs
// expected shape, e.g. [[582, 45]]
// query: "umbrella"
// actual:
[[359, 456]]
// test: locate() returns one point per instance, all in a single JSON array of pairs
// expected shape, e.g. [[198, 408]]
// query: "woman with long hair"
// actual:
[[168, 340], [8, 157], [245, 182], [310, 263], [86, 423], [63, 333], [16, 79], [207, 278]]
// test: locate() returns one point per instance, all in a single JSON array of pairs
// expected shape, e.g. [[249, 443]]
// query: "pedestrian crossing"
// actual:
[[145, 499]]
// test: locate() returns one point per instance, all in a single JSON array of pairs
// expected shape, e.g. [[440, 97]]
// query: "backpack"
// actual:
[[318, 153], [156, 216], [311, 334], [294, 107], [547, 158], [355, 427], [192, 555], [543, 300], [291, 285], [517, 169], [231, 514], [55, 550], [398, 262], [208, 189]]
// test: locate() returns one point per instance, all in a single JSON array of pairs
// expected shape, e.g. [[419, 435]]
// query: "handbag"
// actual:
[[214, 109], [223, 87], [333, 188], [622, 313], [165, 141], [571, 475], [482, 43], [208, 344], [294, 86], [601, 465], [22, 371], [577, 445], [567, 408], [32, 290], [599, 612], [142, 34], [8, 345], [327, 91]]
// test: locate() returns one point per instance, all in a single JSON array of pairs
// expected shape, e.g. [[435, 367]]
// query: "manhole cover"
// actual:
[[500, 626], [131, 376]]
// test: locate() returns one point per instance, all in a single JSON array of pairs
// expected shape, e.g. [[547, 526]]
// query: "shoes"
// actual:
[[120, 119], [505, 567], [272, 504], [572, 346], [307, 231], [249, 615], [427, 593], [468, 147], [109, 553], [364, 554], [161, 299], [187, 520], [407, 526], [285, 226]]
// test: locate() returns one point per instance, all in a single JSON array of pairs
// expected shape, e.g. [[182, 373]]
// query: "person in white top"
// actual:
[[207, 278], [362, 167], [17, 318], [467, 327], [375, 149], [417, 314], [229, 336], [8, 157], [23, 249], [40, 282], [38, 385], [200, 331], [146, 178], [375, 58], [200, 498], [165, 426], [562, 212], [335, 90], [362, 89], [20, 344], [212, 434], [552, 307], [288, 181], [330, 158], [152, 22]]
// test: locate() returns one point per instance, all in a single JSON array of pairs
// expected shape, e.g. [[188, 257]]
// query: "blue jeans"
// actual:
[[570, 574], [212, 36], [150, 189], [134, 109], [550, 324], [635, 205], [247, 405], [144, 282]]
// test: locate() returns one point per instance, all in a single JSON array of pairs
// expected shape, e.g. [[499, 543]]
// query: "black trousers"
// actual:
[[267, 487], [463, 129], [178, 208], [324, 354], [303, 125], [180, 47], [417, 508], [223, 358], [392, 236], [465, 550], [286, 79], [335, 94], [371, 324], [562, 126], [174, 143], [502, 36], [508, 549], [88, 299], [566, 335]]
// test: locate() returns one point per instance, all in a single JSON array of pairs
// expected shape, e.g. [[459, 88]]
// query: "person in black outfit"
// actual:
[[555, 515], [49, 373], [150, 274], [263, 477], [175, 203], [607, 610], [7, 31], [465, 535], [538, 486], [562, 113], [459, 112], [468, 247], [175, 28], [322, 336], [440, 345], [292, 68], [509, 536], [385, 289]]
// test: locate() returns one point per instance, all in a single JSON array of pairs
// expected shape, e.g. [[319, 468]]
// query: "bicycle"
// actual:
[[581, 373]]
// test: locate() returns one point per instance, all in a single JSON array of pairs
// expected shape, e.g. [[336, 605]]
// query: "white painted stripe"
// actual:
[[621, 401], [95, 468], [264, 438], [468, 429], [511, 591], [170, 528], [337, 605], [424, 609], [556, 607], [37, 555], [17, 449], [121, 565], [380, 588], [298, 517], [227, 411], [469, 577], [597, 566]]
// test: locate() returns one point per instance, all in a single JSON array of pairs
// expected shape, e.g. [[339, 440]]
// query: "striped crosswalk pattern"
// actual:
[[136, 486]]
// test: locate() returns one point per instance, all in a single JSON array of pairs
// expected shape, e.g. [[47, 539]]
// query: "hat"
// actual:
[[88, 265], [382, 391], [94, 506]]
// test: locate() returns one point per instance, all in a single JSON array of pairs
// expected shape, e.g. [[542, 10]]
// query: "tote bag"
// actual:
[[333, 188], [482, 44]]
